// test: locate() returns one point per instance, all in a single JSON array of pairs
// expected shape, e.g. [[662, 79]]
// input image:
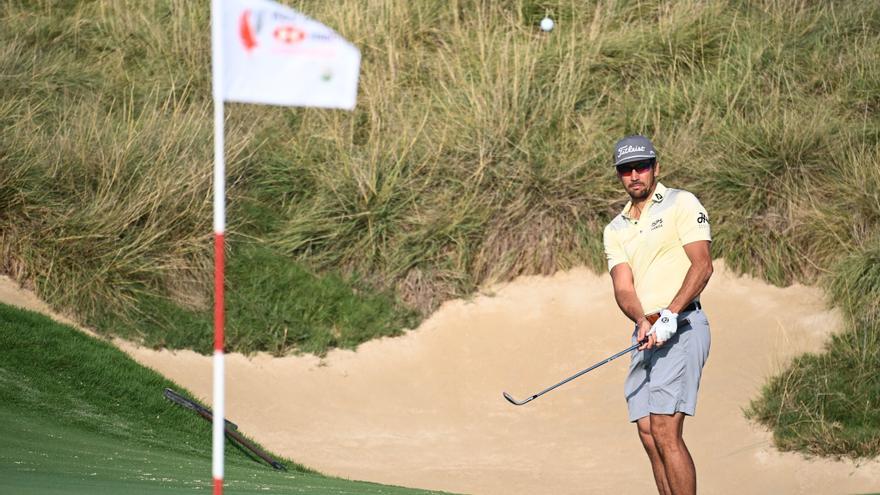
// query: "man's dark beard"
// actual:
[[646, 190]]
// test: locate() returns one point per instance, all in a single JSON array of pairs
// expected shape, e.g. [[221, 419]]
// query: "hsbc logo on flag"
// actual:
[[252, 27], [257, 29], [288, 34]]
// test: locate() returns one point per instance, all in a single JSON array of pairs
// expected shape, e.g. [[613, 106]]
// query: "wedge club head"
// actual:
[[516, 402]]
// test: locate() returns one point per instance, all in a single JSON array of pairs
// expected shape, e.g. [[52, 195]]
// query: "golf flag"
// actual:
[[277, 56], [264, 52]]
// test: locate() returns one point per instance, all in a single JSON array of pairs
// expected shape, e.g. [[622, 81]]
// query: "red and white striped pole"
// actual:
[[218, 441]]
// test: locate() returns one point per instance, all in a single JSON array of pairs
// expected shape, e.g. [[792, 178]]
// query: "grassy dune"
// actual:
[[479, 151]]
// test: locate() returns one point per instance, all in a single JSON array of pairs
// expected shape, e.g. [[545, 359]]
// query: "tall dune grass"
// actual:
[[479, 151], [111, 202]]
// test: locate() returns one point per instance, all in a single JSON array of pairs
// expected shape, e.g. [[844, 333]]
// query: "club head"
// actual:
[[514, 401]]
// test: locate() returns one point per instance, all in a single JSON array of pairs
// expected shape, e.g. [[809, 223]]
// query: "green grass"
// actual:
[[273, 305], [479, 151], [78, 416], [39, 456]]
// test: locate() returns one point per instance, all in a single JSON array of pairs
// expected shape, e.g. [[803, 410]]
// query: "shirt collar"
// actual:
[[658, 197]]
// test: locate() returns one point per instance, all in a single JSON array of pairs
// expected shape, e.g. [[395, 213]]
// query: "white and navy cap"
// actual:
[[633, 149]]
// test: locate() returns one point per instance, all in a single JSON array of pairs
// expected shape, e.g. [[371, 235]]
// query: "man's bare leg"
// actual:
[[666, 430], [644, 427]]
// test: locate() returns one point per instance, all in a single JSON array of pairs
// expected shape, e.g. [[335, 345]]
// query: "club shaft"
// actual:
[[591, 368]]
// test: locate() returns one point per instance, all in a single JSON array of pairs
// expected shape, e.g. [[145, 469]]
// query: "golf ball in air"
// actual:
[[547, 24]]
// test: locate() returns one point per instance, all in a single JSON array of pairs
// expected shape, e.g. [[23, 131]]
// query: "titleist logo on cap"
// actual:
[[629, 149], [633, 148]]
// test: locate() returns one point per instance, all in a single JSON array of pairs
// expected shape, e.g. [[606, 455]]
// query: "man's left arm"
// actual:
[[697, 275], [694, 232]]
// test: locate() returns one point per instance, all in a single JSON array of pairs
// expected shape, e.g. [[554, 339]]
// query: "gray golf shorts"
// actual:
[[665, 380]]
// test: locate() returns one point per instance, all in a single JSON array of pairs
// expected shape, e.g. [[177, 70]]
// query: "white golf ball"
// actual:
[[547, 24]]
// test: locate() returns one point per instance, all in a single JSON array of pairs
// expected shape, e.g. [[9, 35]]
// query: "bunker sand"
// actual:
[[425, 410]]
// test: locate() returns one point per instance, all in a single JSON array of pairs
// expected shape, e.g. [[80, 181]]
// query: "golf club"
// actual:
[[205, 413], [572, 377]]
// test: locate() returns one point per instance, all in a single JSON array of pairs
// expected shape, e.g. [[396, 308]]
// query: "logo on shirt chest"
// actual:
[[656, 224]]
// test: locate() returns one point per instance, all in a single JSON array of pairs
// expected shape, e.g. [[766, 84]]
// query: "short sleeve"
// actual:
[[614, 251], [692, 221]]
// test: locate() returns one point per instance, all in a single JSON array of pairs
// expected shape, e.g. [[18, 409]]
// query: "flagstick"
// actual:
[[254, 78], [218, 441], [219, 207]]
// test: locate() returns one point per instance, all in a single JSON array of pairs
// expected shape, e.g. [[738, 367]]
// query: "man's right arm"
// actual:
[[625, 292], [624, 285], [628, 301]]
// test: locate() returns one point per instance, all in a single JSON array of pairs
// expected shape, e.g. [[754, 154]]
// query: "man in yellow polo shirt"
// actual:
[[658, 255]]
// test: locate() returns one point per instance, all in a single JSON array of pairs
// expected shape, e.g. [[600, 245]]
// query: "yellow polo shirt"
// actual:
[[653, 244]]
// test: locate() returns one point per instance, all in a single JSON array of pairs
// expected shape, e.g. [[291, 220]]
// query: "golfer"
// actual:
[[658, 255]]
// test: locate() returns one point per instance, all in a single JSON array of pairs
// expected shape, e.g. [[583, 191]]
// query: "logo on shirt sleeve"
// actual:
[[702, 218]]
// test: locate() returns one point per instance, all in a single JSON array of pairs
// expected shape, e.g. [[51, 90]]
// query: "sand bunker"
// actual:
[[425, 410]]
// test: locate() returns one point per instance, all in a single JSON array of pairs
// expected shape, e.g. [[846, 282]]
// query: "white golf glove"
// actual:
[[665, 326]]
